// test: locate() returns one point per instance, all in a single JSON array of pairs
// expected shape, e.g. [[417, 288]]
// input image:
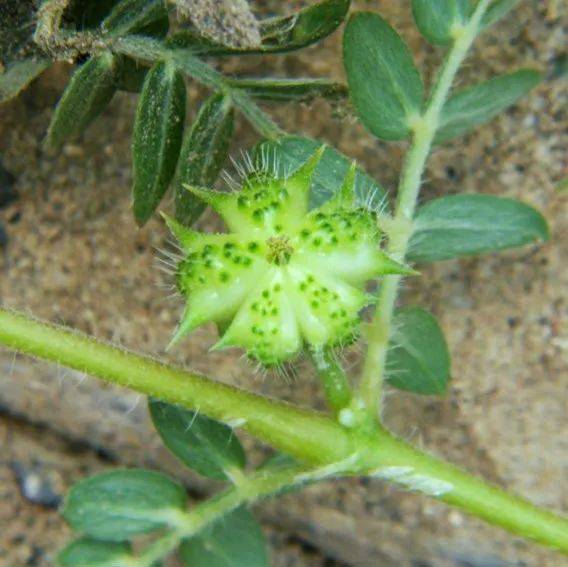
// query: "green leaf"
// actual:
[[157, 137], [298, 90], [86, 552], [480, 103], [203, 444], [288, 153], [236, 540], [384, 84], [496, 11], [116, 505], [89, 91], [17, 76], [278, 35], [418, 360], [436, 18], [204, 151], [463, 225], [139, 17]]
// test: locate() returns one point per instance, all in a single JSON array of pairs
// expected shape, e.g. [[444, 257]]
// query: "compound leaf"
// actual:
[[463, 225], [203, 444], [418, 360], [157, 137], [87, 552], [204, 151], [278, 35], [288, 153], [236, 540], [89, 91], [116, 505], [480, 103], [384, 84], [435, 18]]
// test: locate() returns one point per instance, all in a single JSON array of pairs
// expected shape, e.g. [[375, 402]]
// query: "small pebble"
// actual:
[[35, 486]]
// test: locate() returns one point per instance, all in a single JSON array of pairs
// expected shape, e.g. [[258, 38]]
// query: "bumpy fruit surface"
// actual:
[[283, 277]]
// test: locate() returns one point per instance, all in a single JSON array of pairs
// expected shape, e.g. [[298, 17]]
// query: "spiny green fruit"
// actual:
[[283, 277]]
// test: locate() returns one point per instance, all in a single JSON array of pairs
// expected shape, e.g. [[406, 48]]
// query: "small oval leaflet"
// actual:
[[418, 359], [436, 18], [157, 137], [384, 84], [204, 151], [18, 75], [89, 91], [480, 103], [117, 505], [464, 225], [497, 10], [236, 540], [203, 444], [87, 552]]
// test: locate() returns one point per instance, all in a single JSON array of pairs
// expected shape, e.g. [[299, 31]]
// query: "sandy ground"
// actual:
[[75, 256]]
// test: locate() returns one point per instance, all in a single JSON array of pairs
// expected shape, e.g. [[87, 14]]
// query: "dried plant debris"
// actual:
[[17, 24], [230, 22]]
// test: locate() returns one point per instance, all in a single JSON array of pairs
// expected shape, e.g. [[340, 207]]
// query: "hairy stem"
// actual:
[[151, 50], [252, 489], [307, 435], [275, 422], [418, 471], [424, 130]]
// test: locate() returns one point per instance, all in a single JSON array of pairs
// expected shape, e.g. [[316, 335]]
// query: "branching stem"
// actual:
[[310, 437], [151, 50], [252, 489], [424, 129]]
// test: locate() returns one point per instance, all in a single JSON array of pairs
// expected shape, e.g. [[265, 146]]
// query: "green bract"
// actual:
[[284, 277]]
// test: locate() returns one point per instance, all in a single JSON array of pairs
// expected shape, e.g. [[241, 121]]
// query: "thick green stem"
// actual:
[[424, 130], [413, 469], [307, 435], [277, 423]]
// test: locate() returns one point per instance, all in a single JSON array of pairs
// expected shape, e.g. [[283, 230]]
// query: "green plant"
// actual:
[[128, 45], [195, 416]]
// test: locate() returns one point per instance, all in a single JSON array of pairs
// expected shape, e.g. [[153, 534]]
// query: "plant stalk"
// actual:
[[147, 49], [253, 488], [274, 422], [307, 435], [424, 130]]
